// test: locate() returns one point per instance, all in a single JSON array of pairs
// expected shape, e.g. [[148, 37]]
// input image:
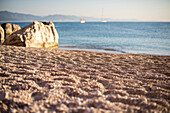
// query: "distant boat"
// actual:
[[103, 20], [82, 20]]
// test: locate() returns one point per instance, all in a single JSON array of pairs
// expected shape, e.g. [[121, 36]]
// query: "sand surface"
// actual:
[[33, 80]]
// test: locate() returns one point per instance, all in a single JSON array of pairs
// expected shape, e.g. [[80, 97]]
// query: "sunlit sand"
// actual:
[[33, 80]]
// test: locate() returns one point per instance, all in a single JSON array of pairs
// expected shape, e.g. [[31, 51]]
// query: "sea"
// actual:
[[151, 38]]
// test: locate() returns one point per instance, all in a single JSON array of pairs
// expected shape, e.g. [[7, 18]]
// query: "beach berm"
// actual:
[[40, 80]]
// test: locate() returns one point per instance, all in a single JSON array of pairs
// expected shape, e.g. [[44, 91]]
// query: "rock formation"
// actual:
[[37, 34], [15, 27], [9, 28], [1, 34]]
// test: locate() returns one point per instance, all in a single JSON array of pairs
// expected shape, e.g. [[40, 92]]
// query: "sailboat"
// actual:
[[103, 20], [82, 20]]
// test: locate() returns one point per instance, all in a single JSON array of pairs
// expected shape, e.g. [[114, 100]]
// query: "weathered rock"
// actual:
[[15, 27], [37, 34], [10, 28], [7, 28], [1, 34]]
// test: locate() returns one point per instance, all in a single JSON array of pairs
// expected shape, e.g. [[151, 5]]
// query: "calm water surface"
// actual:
[[114, 37]]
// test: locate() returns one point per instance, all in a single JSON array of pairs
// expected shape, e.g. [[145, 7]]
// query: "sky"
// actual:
[[141, 10]]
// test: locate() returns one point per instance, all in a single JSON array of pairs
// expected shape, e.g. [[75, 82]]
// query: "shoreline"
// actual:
[[119, 38], [99, 50], [102, 50], [47, 80]]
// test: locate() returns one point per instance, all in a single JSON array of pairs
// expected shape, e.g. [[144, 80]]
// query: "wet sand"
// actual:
[[33, 80]]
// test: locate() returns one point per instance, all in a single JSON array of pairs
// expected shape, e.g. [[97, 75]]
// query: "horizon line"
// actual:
[[73, 21], [109, 19]]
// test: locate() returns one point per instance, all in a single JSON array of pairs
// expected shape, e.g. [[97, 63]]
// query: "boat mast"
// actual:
[[102, 19], [102, 14], [82, 20]]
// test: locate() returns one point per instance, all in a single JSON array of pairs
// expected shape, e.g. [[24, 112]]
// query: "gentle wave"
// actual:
[[93, 49]]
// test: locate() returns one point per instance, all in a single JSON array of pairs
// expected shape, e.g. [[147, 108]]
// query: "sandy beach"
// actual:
[[33, 80]]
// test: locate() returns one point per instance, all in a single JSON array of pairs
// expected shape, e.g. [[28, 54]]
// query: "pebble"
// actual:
[[97, 93], [154, 88], [2, 95], [78, 101], [3, 107]]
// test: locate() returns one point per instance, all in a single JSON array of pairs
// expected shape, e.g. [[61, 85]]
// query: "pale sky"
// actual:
[[142, 10]]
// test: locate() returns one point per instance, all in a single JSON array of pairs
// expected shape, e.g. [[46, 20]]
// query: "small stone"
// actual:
[[37, 96], [2, 95], [78, 101], [87, 111], [135, 101], [154, 88], [144, 100], [97, 93], [62, 107], [3, 107]]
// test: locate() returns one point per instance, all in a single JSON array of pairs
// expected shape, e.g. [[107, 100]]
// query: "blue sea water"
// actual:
[[114, 37]]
